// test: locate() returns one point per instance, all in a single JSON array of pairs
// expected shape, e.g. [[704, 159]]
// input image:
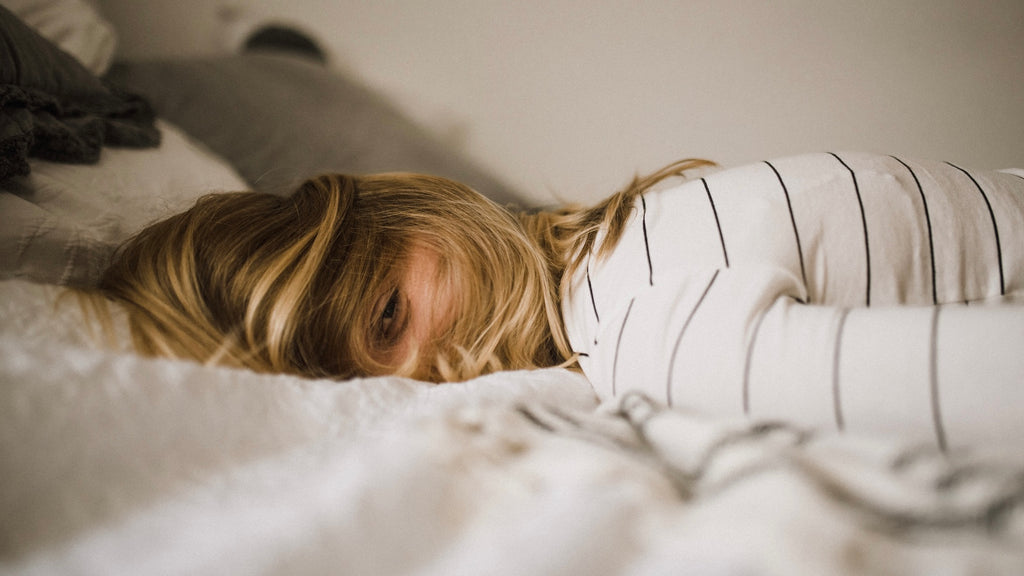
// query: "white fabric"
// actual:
[[73, 25], [115, 464], [61, 222], [805, 289]]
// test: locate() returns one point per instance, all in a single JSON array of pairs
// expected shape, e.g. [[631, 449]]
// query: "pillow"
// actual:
[[51, 107], [61, 223], [280, 119], [74, 26]]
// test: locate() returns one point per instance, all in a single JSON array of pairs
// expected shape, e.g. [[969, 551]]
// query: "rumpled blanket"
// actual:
[[54, 109], [112, 463]]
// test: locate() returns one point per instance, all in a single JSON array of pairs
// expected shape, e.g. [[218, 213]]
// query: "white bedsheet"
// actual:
[[115, 464]]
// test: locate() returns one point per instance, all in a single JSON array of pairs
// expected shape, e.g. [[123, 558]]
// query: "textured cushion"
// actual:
[[52, 107]]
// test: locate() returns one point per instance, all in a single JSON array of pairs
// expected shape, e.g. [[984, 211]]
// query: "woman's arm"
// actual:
[[738, 341]]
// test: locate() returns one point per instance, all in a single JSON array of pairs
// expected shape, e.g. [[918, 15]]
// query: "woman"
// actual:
[[736, 292]]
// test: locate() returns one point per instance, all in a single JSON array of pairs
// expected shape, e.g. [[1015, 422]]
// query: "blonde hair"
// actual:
[[292, 284], [567, 235], [289, 285]]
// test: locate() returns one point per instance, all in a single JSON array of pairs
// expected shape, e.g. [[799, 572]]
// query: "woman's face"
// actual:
[[415, 312]]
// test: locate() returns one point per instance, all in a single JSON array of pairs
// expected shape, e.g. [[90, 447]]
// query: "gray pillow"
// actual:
[[279, 119]]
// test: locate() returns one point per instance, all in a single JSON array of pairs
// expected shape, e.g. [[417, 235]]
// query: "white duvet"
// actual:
[[115, 464]]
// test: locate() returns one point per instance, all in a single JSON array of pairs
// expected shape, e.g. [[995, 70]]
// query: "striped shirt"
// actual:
[[847, 291]]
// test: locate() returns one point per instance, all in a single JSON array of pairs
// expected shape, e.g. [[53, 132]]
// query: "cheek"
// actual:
[[439, 296], [436, 317], [449, 299]]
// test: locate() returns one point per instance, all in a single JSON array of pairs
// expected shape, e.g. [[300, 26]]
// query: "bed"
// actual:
[[113, 463]]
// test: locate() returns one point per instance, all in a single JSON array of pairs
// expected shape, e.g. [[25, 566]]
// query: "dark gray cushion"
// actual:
[[280, 119], [52, 107]]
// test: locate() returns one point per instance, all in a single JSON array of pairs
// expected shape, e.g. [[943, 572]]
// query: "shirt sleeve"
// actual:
[[732, 341]]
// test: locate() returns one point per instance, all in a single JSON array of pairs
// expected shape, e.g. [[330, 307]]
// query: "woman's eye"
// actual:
[[389, 316]]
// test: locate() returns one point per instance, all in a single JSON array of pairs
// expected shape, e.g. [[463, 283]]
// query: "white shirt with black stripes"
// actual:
[[848, 291]]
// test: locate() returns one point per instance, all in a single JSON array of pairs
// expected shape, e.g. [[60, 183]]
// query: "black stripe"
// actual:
[[593, 302], [590, 288], [618, 344], [928, 221], [718, 223], [995, 228], [679, 338], [837, 404], [933, 378], [746, 365], [864, 224], [792, 219], [647, 245]]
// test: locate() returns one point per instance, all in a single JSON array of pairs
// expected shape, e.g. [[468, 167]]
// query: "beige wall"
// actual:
[[569, 98]]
